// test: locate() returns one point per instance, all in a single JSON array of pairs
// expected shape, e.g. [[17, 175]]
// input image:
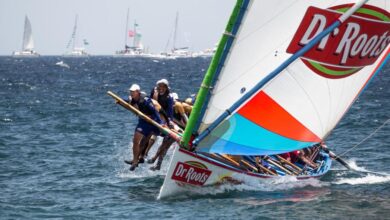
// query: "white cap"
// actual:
[[163, 81], [135, 87], [175, 96]]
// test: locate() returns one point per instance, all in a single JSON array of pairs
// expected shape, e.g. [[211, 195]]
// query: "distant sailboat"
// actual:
[[137, 49], [28, 42], [176, 52], [76, 51], [209, 52]]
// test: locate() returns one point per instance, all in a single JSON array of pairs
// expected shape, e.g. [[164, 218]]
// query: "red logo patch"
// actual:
[[191, 172], [356, 43]]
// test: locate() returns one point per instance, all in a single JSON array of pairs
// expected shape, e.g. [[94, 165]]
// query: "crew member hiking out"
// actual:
[[181, 111], [162, 95], [143, 129]]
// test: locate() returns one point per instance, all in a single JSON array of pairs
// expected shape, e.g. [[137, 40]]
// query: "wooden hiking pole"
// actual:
[[224, 160], [248, 165], [289, 163], [281, 164], [269, 160], [266, 170], [131, 108], [231, 160], [310, 159]]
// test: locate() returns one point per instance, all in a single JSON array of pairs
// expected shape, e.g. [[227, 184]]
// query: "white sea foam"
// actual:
[[370, 177], [305, 195], [143, 170], [253, 184]]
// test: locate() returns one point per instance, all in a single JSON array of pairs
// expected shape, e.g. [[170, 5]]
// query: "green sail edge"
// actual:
[[207, 80]]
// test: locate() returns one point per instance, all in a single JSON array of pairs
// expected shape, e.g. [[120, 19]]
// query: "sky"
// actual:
[[103, 23]]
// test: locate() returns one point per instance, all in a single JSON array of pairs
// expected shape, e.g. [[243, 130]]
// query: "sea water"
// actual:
[[63, 142]]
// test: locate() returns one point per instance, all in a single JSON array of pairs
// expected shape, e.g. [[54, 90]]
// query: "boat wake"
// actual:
[[305, 195], [370, 177], [143, 170], [280, 184]]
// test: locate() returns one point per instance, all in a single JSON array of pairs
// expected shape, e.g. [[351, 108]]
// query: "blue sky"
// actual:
[[102, 23]]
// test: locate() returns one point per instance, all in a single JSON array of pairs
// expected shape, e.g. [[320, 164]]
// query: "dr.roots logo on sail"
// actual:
[[356, 43], [191, 172]]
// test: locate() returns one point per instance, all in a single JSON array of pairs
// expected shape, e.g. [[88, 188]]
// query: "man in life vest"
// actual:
[[143, 128]]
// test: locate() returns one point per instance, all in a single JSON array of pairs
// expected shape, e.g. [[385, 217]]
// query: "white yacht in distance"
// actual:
[[205, 53], [28, 42], [176, 52], [76, 51], [137, 49]]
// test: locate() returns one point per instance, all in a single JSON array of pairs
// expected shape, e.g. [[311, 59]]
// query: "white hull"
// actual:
[[189, 170], [77, 52], [131, 54], [26, 53]]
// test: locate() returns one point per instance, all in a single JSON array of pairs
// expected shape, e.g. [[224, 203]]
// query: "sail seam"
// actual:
[[289, 71]]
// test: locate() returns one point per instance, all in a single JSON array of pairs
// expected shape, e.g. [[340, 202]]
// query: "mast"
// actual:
[[238, 10], [175, 30], [135, 34], [74, 34], [127, 27], [24, 32], [279, 69]]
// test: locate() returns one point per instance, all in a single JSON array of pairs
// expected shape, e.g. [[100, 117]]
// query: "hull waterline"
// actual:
[[190, 170]]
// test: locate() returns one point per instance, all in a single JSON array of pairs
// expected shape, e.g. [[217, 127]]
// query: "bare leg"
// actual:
[[165, 147], [156, 155], [151, 141], [136, 149], [144, 146], [162, 151]]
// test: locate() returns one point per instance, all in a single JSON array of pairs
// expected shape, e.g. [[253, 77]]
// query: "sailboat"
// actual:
[[283, 76], [137, 49], [28, 42], [176, 52], [76, 51]]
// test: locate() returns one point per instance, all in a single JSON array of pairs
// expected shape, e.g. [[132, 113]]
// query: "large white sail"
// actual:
[[308, 98], [28, 43]]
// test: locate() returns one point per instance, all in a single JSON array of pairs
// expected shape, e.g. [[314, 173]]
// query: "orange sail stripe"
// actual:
[[265, 112]]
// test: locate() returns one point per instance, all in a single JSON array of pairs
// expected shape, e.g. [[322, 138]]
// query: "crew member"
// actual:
[[143, 128]]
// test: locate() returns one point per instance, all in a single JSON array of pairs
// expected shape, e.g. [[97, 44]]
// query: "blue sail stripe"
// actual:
[[243, 137]]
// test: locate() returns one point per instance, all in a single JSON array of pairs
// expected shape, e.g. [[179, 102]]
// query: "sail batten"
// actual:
[[307, 93]]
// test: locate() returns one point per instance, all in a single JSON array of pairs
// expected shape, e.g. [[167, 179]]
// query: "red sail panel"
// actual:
[[265, 112]]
